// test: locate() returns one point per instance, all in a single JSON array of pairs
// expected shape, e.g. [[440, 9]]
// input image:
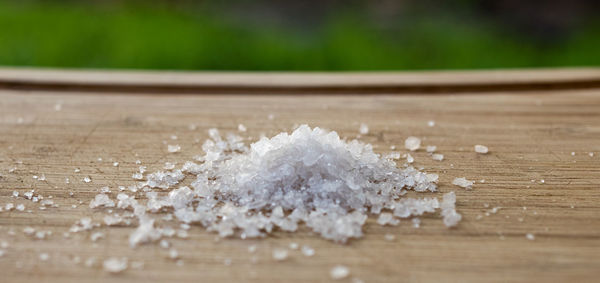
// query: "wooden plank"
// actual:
[[287, 83], [530, 135]]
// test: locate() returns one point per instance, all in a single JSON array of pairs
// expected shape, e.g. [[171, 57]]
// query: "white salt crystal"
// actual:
[[114, 264], [96, 236], [20, 207], [409, 158], [416, 222], [9, 206], [412, 143], [437, 157], [481, 149], [252, 248], [173, 254], [115, 164], [451, 217], [112, 220], [164, 244], [173, 148], [242, 128], [307, 251], [44, 256], [364, 129], [87, 179], [294, 245], [280, 254], [101, 200], [591, 154], [431, 148], [15, 194], [29, 231], [462, 182], [339, 272], [530, 236], [386, 218], [431, 123]]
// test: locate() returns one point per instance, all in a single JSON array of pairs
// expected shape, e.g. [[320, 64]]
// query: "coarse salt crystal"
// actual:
[[339, 272], [462, 182], [364, 129], [114, 264], [307, 251], [412, 143], [242, 128], [481, 149], [280, 254], [173, 148], [437, 157]]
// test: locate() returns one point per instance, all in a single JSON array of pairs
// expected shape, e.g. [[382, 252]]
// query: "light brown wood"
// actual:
[[530, 136], [308, 82]]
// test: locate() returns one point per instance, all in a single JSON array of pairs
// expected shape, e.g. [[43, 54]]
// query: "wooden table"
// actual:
[[540, 127]]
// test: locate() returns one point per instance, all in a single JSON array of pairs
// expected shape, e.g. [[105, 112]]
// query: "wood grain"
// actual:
[[298, 83], [530, 135]]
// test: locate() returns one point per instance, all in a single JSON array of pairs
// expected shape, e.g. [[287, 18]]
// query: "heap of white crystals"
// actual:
[[310, 176]]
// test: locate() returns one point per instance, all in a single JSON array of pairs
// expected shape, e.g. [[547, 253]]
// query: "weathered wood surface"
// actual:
[[531, 136]]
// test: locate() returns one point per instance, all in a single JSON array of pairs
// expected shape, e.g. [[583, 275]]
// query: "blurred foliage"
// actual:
[[194, 37]]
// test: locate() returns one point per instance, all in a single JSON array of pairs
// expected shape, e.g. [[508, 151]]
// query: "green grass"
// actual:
[[155, 37]]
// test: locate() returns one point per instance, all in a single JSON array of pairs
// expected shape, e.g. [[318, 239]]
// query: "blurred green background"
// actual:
[[299, 35]]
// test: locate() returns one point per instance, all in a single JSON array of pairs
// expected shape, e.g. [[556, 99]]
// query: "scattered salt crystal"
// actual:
[[573, 153], [9, 206], [591, 154], [114, 264], [307, 251], [169, 166], [462, 182], [451, 217], [481, 149], [164, 244], [101, 200], [173, 148], [294, 245], [173, 254], [115, 164], [416, 222], [339, 272], [29, 231], [280, 254], [96, 236], [409, 158], [242, 128], [271, 116], [386, 218], [530, 236], [90, 262], [431, 123], [87, 179], [20, 207], [252, 248], [44, 256], [431, 148], [15, 194], [437, 157], [364, 129], [412, 143]]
